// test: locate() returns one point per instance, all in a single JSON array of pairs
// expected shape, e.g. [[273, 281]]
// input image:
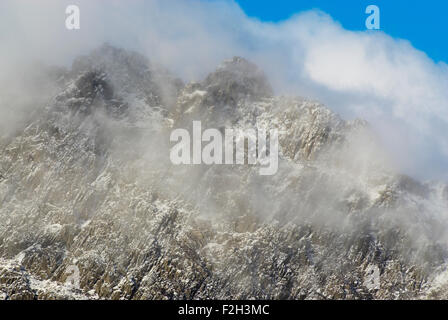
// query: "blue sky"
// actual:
[[423, 23]]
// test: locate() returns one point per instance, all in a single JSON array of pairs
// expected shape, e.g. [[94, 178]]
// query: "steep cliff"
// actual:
[[87, 182]]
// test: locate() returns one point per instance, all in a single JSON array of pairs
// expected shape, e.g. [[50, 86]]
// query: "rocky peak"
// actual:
[[235, 79], [99, 196], [88, 90], [131, 74], [225, 94]]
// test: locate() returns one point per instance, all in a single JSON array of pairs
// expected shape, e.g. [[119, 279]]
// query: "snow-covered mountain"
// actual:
[[88, 182]]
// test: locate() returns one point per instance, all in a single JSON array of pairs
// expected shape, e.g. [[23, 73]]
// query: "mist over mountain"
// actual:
[[374, 76], [86, 181]]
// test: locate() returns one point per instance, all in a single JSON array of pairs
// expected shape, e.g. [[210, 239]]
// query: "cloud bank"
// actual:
[[370, 75]]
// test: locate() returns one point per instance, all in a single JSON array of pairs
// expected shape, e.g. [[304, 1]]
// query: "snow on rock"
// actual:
[[89, 184]]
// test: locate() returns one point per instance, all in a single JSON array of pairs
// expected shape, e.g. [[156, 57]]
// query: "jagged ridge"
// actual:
[[90, 184]]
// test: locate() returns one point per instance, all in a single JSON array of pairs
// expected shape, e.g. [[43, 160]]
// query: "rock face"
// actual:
[[91, 207], [233, 80]]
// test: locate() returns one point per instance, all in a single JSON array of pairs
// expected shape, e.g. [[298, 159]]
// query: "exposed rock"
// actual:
[[89, 185]]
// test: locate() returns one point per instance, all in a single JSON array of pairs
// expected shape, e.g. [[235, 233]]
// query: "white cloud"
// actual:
[[365, 74]]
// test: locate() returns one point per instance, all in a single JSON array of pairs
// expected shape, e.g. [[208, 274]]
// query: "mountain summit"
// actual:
[[87, 185]]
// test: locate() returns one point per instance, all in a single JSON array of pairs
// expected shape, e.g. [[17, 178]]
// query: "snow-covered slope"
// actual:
[[88, 183]]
